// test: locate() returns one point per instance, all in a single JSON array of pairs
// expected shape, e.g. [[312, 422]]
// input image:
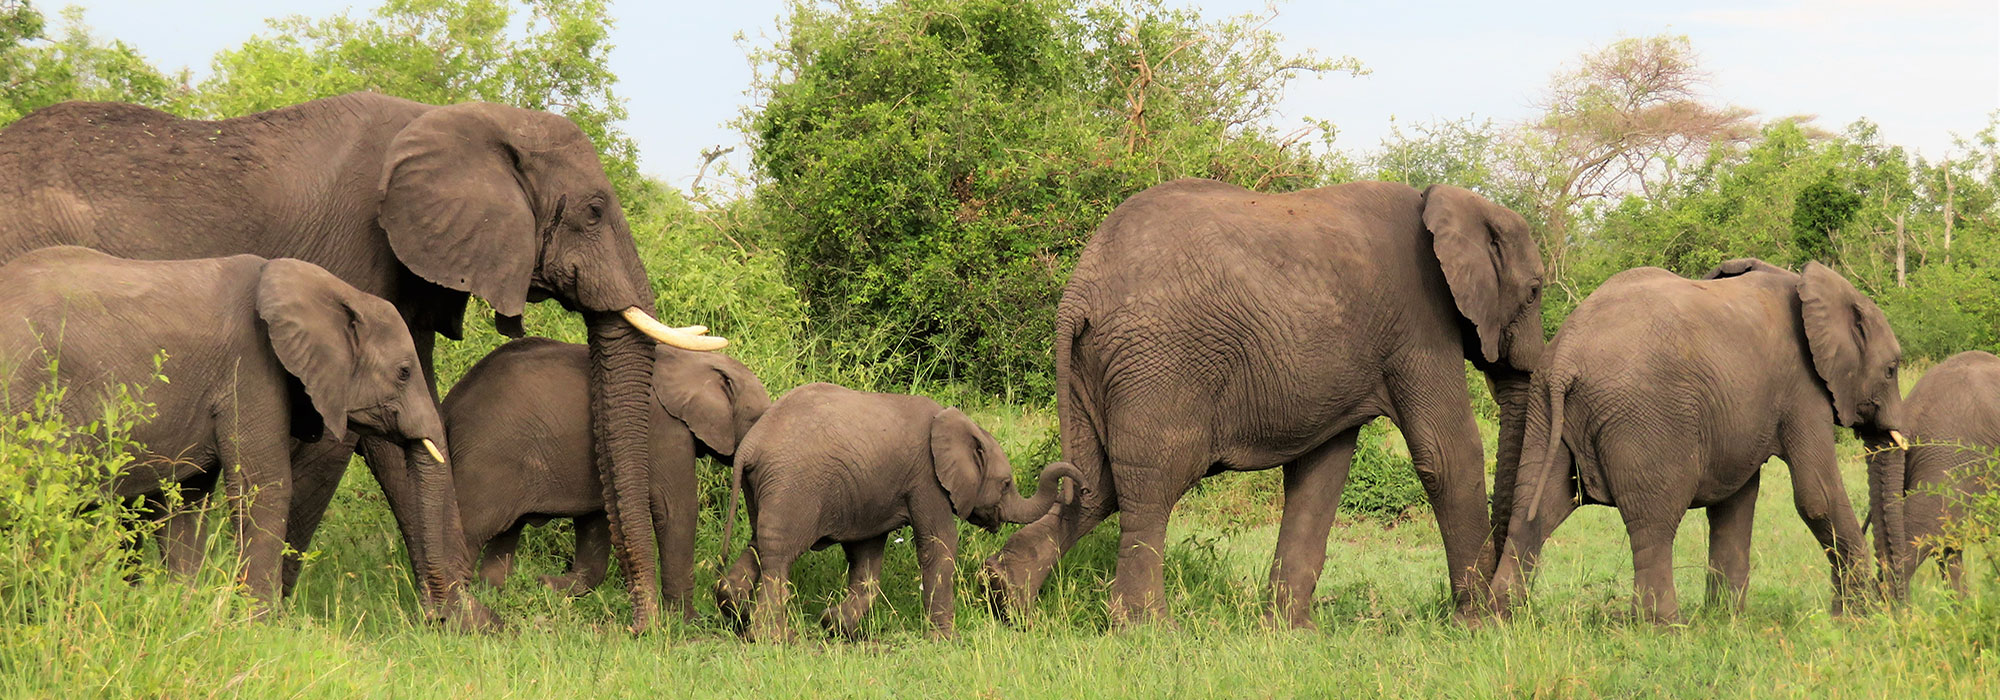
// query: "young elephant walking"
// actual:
[[1663, 394], [261, 355], [520, 422], [831, 465], [1954, 414]]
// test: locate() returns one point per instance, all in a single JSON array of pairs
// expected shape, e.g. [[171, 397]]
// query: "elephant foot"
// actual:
[[571, 585], [1276, 622], [467, 616], [840, 624], [730, 602], [773, 634]]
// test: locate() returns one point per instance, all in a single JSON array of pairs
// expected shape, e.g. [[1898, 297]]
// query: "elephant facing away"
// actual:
[[1954, 428], [829, 465], [420, 205], [260, 354], [519, 422], [1662, 394], [1209, 328]]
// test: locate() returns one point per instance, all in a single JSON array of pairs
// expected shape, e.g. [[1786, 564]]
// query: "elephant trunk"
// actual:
[[1887, 473], [444, 567], [1048, 491], [1510, 392], [621, 376]]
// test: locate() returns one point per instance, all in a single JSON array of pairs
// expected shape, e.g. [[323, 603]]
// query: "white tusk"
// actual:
[[433, 449], [1897, 437], [689, 338]]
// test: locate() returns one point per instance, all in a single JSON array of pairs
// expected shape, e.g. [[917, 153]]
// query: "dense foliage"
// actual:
[[932, 167]]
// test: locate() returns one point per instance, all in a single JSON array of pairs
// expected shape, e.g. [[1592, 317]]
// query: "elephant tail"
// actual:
[[1558, 386], [1079, 406], [729, 512]]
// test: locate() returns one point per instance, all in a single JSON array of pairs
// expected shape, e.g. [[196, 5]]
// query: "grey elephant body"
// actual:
[[1954, 427], [519, 421], [417, 204], [829, 465], [1663, 394], [258, 355], [1209, 328]]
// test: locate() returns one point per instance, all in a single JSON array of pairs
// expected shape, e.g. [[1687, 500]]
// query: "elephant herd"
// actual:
[[292, 266]]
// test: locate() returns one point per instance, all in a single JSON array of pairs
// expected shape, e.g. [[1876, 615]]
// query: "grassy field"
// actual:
[[1385, 629]]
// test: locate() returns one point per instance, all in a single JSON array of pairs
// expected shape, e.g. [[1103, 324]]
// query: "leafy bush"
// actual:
[[932, 167], [1383, 481]]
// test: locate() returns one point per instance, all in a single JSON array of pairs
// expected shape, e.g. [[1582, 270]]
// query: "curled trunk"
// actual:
[[1048, 490], [1887, 472], [621, 377], [1510, 392]]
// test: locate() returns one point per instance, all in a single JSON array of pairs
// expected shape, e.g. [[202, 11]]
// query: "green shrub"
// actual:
[[1383, 481]]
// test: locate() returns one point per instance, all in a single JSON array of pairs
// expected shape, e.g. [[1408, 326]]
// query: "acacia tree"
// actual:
[[1624, 120]]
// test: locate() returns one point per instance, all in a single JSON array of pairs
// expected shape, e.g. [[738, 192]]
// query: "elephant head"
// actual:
[[353, 364], [1490, 261], [979, 480], [513, 205], [716, 396]]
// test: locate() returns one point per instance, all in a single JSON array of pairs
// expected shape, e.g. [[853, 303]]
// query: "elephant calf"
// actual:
[[260, 353], [1955, 423], [831, 465], [520, 422], [1663, 394]]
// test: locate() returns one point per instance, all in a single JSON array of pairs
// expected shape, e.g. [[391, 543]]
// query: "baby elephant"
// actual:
[[259, 353], [1954, 414], [520, 425], [832, 465]]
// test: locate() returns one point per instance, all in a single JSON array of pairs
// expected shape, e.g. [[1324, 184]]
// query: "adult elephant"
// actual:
[[418, 204], [1210, 328]]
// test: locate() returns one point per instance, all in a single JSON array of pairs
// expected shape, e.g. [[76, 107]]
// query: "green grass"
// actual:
[[1385, 628]]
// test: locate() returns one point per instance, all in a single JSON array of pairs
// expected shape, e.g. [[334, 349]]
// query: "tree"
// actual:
[[1624, 120], [37, 70], [932, 167]]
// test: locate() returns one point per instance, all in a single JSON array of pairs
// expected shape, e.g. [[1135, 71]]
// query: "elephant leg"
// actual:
[[770, 618], [1138, 589], [1013, 577], [733, 589], [1822, 502], [1313, 483], [1653, 561], [676, 503], [317, 468], [1729, 546], [592, 559], [258, 480], [497, 555], [183, 540], [1531, 526], [937, 560], [1435, 415], [1951, 563], [864, 582]]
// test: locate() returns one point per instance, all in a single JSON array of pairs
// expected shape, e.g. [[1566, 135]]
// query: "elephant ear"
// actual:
[[710, 393], [313, 331], [455, 203], [1740, 267], [959, 451], [1830, 309], [1468, 249]]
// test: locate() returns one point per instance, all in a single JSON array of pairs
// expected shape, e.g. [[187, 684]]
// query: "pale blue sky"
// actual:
[[1921, 68]]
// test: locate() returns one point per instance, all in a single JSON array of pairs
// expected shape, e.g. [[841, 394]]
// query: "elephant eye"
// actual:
[[403, 373], [596, 212]]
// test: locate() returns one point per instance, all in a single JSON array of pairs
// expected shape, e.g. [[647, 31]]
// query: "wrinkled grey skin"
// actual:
[[519, 424], [1663, 394], [260, 355], [829, 465], [1954, 429], [417, 204], [1209, 328]]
